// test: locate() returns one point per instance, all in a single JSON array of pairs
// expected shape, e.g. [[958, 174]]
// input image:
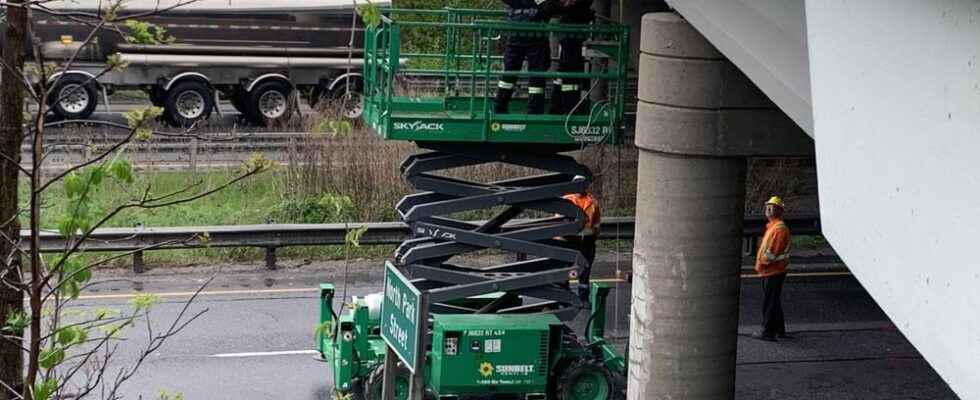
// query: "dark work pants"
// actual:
[[585, 244], [538, 56], [773, 322], [567, 91]]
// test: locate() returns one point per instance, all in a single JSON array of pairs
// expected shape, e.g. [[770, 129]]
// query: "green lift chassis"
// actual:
[[528, 355], [481, 330]]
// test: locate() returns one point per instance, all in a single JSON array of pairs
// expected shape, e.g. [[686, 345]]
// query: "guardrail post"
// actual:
[[270, 258], [138, 262], [193, 154]]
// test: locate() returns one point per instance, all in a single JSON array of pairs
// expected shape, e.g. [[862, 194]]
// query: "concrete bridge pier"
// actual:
[[699, 119]]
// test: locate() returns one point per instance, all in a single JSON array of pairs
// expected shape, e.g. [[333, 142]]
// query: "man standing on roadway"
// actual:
[[566, 93], [585, 240], [770, 263], [530, 46]]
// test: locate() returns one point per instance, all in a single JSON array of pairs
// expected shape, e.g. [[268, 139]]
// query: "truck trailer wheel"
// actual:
[[188, 102], [585, 379], [75, 97], [351, 103], [269, 103]]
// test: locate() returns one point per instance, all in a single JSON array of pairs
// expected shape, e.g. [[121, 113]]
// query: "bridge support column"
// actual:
[[687, 257], [698, 120]]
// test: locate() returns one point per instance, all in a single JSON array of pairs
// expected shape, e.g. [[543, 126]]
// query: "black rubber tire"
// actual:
[[373, 388], [335, 96], [170, 112], [91, 92], [269, 88], [585, 368]]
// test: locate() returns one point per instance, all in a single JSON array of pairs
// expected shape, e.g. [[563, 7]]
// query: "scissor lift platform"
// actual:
[[468, 68]]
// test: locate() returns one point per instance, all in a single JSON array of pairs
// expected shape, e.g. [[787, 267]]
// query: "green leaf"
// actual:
[[70, 289], [370, 13], [45, 388], [72, 335], [144, 302], [68, 336], [73, 184], [353, 236], [137, 119], [67, 227], [122, 170], [16, 321], [84, 275], [324, 330], [95, 175], [75, 270], [165, 395], [104, 313], [84, 225], [115, 61], [49, 358]]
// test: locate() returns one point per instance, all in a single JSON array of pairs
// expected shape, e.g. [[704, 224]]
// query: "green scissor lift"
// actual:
[[497, 330]]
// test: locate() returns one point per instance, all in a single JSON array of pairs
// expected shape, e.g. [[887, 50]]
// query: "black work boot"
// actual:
[[535, 103], [502, 101]]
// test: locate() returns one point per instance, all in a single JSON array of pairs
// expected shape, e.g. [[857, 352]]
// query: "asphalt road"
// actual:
[[255, 339]]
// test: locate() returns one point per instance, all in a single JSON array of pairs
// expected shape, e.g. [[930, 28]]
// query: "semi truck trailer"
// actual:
[[261, 56]]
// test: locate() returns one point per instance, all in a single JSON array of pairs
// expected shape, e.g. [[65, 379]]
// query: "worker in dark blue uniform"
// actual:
[[566, 92], [528, 46]]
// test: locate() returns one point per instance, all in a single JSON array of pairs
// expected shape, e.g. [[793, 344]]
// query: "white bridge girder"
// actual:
[[890, 90]]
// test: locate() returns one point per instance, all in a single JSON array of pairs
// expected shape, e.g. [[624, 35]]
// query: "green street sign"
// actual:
[[402, 317]]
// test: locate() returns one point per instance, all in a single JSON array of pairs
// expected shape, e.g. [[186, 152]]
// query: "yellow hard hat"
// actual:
[[777, 201]]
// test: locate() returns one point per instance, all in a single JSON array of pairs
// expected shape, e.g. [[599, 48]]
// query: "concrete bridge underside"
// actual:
[[890, 92]]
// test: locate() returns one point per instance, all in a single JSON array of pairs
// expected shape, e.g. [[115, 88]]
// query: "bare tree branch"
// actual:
[[154, 344], [16, 164], [66, 278], [112, 149]]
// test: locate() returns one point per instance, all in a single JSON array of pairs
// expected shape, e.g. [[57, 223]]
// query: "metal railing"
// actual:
[[274, 236]]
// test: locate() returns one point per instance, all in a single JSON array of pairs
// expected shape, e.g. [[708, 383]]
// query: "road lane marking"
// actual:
[[267, 354], [314, 290], [745, 276], [204, 293]]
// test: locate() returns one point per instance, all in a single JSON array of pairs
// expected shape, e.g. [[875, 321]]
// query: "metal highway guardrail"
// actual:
[[273, 236]]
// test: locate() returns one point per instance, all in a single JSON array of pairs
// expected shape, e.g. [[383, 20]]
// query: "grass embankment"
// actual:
[[261, 199], [356, 179]]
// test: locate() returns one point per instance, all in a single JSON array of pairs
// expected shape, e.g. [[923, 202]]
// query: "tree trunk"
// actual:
[[11, 138]]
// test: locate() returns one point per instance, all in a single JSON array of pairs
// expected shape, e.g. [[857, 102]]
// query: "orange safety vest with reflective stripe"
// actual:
[[773, 256], [590, 207]]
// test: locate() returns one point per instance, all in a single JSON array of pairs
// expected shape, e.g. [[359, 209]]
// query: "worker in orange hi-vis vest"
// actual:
[[770, 263], [585, 240]]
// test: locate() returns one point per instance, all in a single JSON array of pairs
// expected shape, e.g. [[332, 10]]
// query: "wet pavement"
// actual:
[[255, 340]]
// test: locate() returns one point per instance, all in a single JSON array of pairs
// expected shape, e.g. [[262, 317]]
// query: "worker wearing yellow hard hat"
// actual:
[[771, 262], [777, 201]]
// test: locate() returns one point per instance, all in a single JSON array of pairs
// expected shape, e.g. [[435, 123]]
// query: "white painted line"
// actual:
[[267, 354], [314, 290], [204, 293]]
